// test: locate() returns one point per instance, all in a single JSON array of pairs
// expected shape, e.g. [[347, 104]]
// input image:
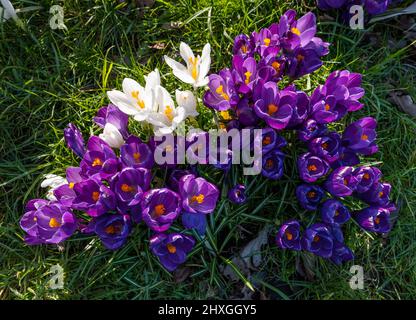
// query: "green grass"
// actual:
[[51, 77]]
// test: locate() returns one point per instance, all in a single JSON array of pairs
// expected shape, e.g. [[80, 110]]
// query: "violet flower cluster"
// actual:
[[371, 7], [108, 193]]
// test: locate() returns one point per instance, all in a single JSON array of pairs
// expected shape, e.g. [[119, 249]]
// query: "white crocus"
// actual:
[[7, 11], [167, 117], [136, 100], [187, 100], [112, 136], [52, 181], [196, 69]]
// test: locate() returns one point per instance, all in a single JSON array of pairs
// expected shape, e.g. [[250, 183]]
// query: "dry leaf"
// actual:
[[404, 102]]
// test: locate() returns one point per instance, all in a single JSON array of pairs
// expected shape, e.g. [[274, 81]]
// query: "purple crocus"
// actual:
[[318, 240], [112, 114], [222, 94], [341, 182], [244, 73], [360, 136], [130, 184], [265, 42], [341, 253], [346, 157], [377, 195], [334, 212], [272, 67], [273, 164], [171, 249], [275, 107], [134, 153], [310, 129], [331, 4], [288, 236], [300, 110], [160, 207], [242, 46], [237, 194], [197, 221], [99, 159], [246, 114], [198, 195], [309, 196], [93, 198], [311, 167], [367, 177], [112, 229], [175, 176], [374, 219], [74, 140], [47, 222], [374, 7], [326, 147]]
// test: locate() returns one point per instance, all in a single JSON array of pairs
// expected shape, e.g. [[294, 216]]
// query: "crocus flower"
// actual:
[[196, 69], [197, 221], [374, 219], [113, 230], [160, 207], [130, 184], [334, 212], [367, 177], [341, 182], [300, 109], [341, 253], [198, 195], [112, 114], [171, 249], [222, 94], [331, 4], [346, 157], [310, 129], [244, 73], [275, 107], [187, 101], [8, 12], [273, 164], [311, 167], [246, 114], [374, 7], [74, 140], [360, 136], [265, 42], [47, 222], [302, 61], [93, 198], [237, 194], [112, 136], [136, 154], [174, 178], [299, 32], [167, 116], [135, 100], [377, 195], [99, 159], [318, 240], [268, 139], [288, 236], [309, 196], [52, 182], [272, 67], [242, 46], [326, 147]]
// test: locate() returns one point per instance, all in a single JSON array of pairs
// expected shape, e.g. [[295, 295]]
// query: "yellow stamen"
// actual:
[[295, 31], [336, 213], [276, 66], [126, 188], [266, 41], [272, 108], [220, 91], [345, 181], [95, 196], [225, 115], [325, 145], [171, 248], [316, 239], [199, 198], [71, 185], [289, 236], [377, 220], [267, 140], [269, 163], [97, 162], [300, 57], [159, 210], [311, 194], [327, 107], [53, 223], [312, 167], [366, 176], [140, 102], [380, 194], [194, 64], [136, 156], [112, 229], [247, 74], [364, 137], [244, 48], [169, 113]]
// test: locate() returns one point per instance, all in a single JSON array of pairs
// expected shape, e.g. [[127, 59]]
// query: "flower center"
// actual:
[[345, 181], [225, 115], [276, 66], [244, 48], [316, 238], [289, 236], [171, 248], [366, 176], [54, 223], [160, 210], [325, 145], [199, 198], [140, 102], [71, 185], [112, 229], [272, 108], [136, 156], [380, 194], [311, 194], [312, 167], [220, 91], [377, 220], [194, 67], [266, 41], [364, 137], [267, 140], [169, 113], [247, 74], [295, 31], [327, 107], [300, 57], [97, 162], [269, 163], [95, 196], [126, 188], [336, 213]]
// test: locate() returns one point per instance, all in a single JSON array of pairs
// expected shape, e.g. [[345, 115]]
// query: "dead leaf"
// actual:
[[158, 46], [404, 102]]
